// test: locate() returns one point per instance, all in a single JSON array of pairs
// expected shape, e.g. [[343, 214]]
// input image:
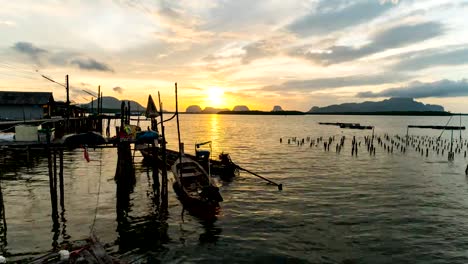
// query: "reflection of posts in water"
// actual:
[[65, 236], [125, 181], [53, 196], [108, 128], [123, 201], [125, 172], [122, 209], [62, 192], [156, 184], [3, 225], [211, 233], [124, 177], [53, 190]]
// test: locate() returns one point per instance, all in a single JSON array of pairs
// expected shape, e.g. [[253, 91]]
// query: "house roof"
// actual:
[[25, 98]]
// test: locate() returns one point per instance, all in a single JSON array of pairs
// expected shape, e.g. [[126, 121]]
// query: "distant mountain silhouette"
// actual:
[[240, 108], [277, 108], [196, 109], [212, 110], [109, 102], [193, 109], [388, 105]]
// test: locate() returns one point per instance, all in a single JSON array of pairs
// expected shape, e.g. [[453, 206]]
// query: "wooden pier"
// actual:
[[346, 125], [124, 178]]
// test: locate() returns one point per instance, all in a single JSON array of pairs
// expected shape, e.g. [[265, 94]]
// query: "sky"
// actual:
[[295, 53]]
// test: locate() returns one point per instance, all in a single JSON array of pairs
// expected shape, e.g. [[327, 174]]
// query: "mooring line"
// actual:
[[98, 194]]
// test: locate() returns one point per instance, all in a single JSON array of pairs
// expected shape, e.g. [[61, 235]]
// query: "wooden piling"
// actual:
[[53, 190], [3, 225], [55, 170], [61, 181], [164, 190]]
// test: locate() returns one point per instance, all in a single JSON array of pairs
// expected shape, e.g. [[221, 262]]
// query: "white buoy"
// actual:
[[2, 259], [64, 254]]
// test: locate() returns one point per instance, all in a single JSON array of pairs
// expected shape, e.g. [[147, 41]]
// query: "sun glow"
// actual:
[[215, 97]]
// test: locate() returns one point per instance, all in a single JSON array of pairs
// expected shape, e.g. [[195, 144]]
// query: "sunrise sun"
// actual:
[[215, 97]]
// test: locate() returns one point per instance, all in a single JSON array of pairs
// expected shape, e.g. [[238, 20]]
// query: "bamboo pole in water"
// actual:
[[164, 198], [62, 192], [280, 186], [53, 192]]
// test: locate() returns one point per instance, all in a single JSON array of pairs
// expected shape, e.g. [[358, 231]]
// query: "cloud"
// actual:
[[256, 50], [330, 16], [337, 82], [91, 64], [440, 89], [267, 47], [60, 57], [433, 57], [29, 49], [175, 23], [394, 37], [118, 89], [7, 23]]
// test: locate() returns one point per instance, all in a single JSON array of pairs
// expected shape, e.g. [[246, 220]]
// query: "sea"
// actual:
[[335, 207]]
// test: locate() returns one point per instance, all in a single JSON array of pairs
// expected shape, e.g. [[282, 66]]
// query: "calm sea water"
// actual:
[[335, 208]]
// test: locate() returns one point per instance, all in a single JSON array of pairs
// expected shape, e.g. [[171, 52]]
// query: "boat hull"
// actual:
[[190, 201], [226, 172]]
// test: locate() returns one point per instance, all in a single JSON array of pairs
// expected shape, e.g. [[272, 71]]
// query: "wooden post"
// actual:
[[128, 113], [125, 173], [164, 194], [99, 99], [3, 226], [67, 115], [122, 117], [460, 129], [450, 157], [156, 184], [53, 191], [407, 135], [108, 127], [178, 128], [62, 191], [100, 119], [55, 171]]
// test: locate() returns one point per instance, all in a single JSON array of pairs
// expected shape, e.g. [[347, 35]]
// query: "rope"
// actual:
[[172, 117], [97, 199], [7, 129], [444, 127]]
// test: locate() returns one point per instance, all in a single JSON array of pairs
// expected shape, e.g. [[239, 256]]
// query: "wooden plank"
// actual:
[[438, 127]]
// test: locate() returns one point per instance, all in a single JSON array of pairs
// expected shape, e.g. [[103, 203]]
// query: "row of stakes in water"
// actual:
[[339, 146], [421, 144], [425, 145]]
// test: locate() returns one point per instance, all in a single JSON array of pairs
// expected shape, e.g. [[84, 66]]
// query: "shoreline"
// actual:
[[393, 113]]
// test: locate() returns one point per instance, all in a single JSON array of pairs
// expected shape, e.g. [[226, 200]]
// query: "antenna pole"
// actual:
[[67, 87], [178, 126], [98, 99]]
